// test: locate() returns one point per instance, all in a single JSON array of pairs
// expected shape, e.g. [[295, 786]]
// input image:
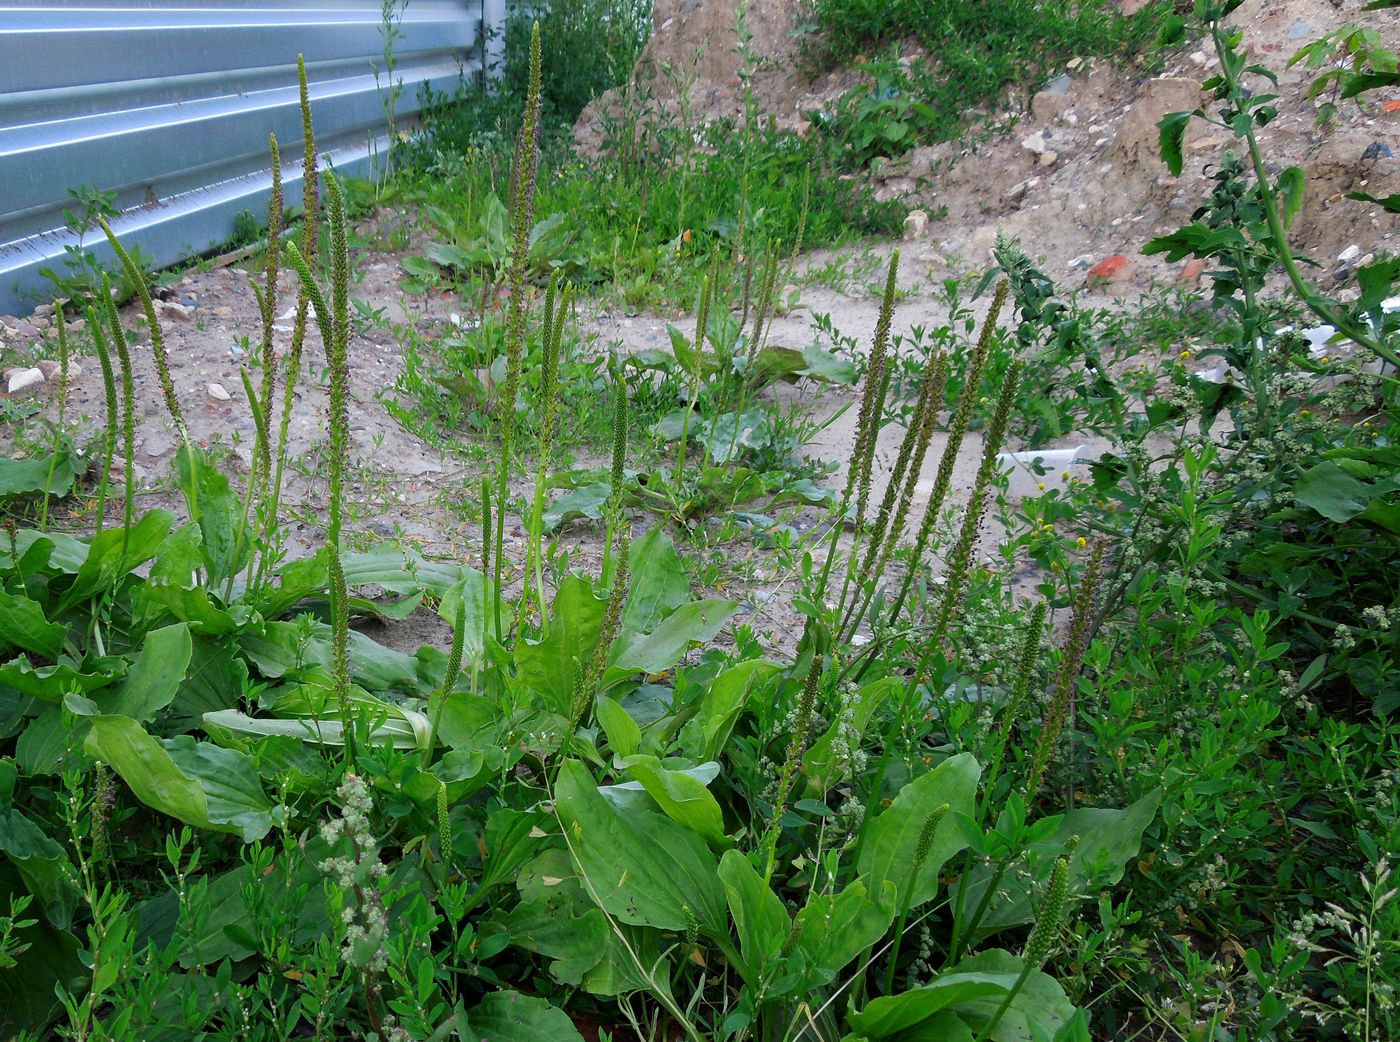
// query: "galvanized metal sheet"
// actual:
[[170, 105]]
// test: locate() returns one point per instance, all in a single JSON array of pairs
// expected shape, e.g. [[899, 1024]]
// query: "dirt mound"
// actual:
[[1078, 177]]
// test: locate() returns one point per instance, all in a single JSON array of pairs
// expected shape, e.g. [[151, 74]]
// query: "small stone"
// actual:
[[43, 311], [218, 393], [19, 379], [76, 326], [915, 225], [1349, 254], [172, 310], [28, 331], [1198, 58], [1299, 29], [1082, 262], [1048, 158], [1113, 268], [9, 321], [1035, 143], [223, 311], [1389, 108], [1377, 150], [1059, 85], [1075, 64]]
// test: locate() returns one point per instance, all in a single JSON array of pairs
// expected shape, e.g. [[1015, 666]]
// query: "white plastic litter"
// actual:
[[1034, 472]]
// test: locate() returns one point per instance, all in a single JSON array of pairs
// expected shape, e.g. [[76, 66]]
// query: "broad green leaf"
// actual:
[[825, 366], [207, 787], [546, 667], [1107, 840], [22, 624], [403, 729], [556, 919], [833, 929], [659, 650], [760, 920], [22, 477], [51, 683], [584, 503], [509, 1016], [705, 735], [1333, 493], [642, 869], [512, 838], [114, 553], [889, 850], [40, 861], [217, 509], [659, 583], [624, 736], [821, 765], [155, 676], [973, 991], [279, 648], [232, 790], [682, 797], [51, 958], [473, 591]]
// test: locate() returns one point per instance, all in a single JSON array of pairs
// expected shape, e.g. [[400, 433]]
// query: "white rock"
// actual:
[[1083, 261], [1048, 158], [21, 378], [173, 310], [1349, 254], [1198, 58], [915, 225], [1035, 143], [218, 393]]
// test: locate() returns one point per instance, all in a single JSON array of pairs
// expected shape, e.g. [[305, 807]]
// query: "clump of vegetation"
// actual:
[[977, 54]]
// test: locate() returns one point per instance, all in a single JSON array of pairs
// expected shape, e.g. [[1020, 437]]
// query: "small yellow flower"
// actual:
[[1081, 542], [1040, 485], [1323, 360], [1184, 356]]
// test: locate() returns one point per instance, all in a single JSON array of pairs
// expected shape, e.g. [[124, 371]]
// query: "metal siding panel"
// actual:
[[170, 104]]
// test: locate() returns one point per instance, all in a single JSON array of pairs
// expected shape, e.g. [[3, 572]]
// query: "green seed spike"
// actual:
[[1040, 942], [884, 537], [522, 219], [444, 824], [1020, 688], [110, 419], [310, 207], [792, 762], [702, 325], [960, 562], [956, 432], [114, 321], [872, 409], [1072, 660], [612, 622], [162, 360], [268, 302], [334, 324], [617, 478]]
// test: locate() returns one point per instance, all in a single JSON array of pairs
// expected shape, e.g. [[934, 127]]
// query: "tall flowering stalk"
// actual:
[[522, 219], [1061, 707], [956, 432], [702, 325], [555, 304], [334, 324], [110, 416], [114, 321], [310, 216]]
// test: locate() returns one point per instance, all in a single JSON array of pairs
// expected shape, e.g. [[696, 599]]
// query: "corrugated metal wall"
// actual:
[[170, 103]]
